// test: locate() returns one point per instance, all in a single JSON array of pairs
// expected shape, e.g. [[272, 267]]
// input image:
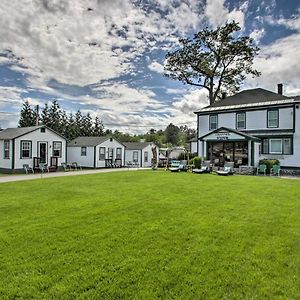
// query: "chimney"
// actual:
[[279, 88], [224, 95]]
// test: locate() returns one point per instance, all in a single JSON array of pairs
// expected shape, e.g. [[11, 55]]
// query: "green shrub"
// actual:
[[269, 163], [196, 161]]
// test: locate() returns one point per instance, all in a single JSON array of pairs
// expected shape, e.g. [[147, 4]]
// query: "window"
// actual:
[[43, 130], [57, 149], [146, 156], [6, 149], [110, 153], [287, 146], [102, 153], [275, 146], [213, 122], [135, 156], [241, 120], [25, 149], [119, 153], [83, 151], [273, 120]]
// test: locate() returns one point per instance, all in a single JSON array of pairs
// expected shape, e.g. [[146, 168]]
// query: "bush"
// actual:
[[196, 161], [269, 163]]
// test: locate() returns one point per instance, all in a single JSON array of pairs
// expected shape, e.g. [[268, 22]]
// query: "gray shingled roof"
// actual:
[[12, 133], [88, 141], [136, 145], [249, 96]]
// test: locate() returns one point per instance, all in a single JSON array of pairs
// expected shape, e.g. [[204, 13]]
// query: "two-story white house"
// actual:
[[249, 126]]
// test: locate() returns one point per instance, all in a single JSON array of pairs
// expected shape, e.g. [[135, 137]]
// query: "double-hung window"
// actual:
[[146, 156], [273, 118], [213, 122], [135, 156], [57, 149], [102, 153], [83, 151], [6, 149], [241, 120], [26, 149], [119, 153]]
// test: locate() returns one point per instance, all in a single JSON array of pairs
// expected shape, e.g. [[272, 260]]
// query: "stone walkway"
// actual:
[[11, 178]]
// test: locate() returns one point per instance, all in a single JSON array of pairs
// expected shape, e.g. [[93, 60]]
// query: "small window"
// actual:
[[57, 149], [119, 153], [6, 149], [83, 151], [43, 130], [241, 120], [25, 149], [275, 146], [146, 156], [273, 120], [102, 153], [213, 122], [265, 146], [135, 156], [287, 146]]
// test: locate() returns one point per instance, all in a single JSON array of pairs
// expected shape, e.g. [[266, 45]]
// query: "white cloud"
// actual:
[[218, 14], [257, 35], [156, 67]]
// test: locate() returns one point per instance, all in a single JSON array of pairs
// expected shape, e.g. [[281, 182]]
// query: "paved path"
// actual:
[[11, 178]]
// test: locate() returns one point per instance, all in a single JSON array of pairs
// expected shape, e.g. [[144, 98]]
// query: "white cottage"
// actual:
[[249, 126], [30, 146], [96, 152], [140, 153]]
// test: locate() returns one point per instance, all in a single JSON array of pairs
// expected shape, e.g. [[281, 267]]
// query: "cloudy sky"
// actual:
[[106, 56]]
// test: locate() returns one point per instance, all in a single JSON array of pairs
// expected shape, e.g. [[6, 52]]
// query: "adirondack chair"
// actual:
[[205, 168], [275, 170], [28, 169], [261, 169], [66, 167], [175, 166], [228, 169]]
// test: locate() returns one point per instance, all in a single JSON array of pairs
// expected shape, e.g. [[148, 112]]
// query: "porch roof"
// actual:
[[228, 134]]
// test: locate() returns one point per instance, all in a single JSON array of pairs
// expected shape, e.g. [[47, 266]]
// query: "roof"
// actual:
[[12, 133], [249, 98], [136, 145], [88, 141]]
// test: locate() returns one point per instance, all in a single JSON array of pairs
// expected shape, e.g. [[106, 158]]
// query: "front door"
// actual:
[[43, 152]]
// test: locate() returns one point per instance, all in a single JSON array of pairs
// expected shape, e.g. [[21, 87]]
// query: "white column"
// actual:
[[249, 153]]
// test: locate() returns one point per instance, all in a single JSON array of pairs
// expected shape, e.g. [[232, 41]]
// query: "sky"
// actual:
[[106, 57]]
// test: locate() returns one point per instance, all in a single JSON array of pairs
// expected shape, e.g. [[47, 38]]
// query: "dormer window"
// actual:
[[213, 122], [273, 118]]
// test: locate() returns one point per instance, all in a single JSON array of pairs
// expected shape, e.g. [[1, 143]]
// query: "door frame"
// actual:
[[39, 143]]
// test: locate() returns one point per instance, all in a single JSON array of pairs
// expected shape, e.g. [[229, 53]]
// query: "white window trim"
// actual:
[[268, 120]]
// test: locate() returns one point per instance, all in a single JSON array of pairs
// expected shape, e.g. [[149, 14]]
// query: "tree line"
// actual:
[[80, 124]]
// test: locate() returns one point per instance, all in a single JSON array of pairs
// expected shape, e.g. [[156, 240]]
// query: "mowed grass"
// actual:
[[150, 235]]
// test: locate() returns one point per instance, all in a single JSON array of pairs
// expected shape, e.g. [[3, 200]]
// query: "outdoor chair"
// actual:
[[275, 170], [65, 167], [118, 163], [205, 168], [28, 169], [43, 167], [228, 169], [175, 166], [75, 166], [261, 169], [129, 164], [53, 164]]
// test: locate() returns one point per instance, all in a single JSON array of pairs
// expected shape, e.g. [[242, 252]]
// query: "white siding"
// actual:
[[5, 163], [37, 136], [129, 156], [74, 155], [109, 144], [193, 147]]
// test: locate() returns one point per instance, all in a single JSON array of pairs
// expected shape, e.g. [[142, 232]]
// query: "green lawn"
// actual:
[[150, 235]]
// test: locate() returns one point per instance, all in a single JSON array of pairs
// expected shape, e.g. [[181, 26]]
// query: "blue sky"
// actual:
[[106, 56]]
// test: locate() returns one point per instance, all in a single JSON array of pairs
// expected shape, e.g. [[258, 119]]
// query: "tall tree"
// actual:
[[98, 128], [28, 115], [216, 60], [172, 134]]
